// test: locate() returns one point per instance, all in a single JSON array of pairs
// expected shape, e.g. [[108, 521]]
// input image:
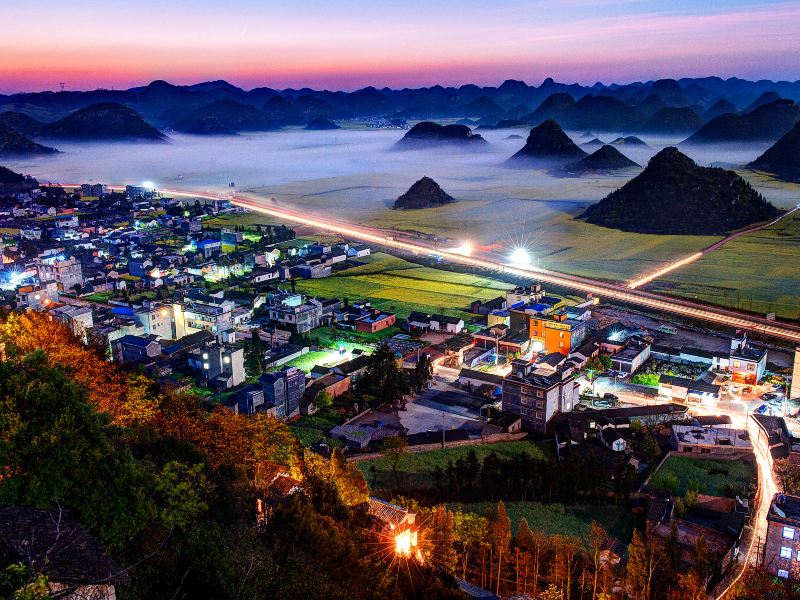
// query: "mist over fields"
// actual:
[[279, 159], [354, 175]]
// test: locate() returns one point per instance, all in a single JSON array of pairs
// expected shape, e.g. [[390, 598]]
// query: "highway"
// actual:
[[607, 291]]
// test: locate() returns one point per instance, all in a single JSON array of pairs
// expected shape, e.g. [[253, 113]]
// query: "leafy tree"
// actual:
[[595, 364], [183, 489], [323, 399], [470, 533], [606, 360], [58, 449], [384, 376], [395, 448], [441, 531], [642, 564], [423, 372]]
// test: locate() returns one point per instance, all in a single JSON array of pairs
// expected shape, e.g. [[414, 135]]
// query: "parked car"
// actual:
[[778, 387], [602, 404], [761, 409], [610, 396], [735, 389], [747, 390], [769, 396]]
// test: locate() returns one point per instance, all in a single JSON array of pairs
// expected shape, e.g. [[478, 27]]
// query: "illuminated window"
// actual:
[[226, 359], [205, 355], [786, 552], [205, 365], [788, 533], [783, 573]]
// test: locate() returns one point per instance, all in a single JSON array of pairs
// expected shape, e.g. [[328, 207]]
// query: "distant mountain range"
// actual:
[[674, 195], [665, 106]]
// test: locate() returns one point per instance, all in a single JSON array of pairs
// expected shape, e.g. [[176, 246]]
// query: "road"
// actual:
[[489, 260]]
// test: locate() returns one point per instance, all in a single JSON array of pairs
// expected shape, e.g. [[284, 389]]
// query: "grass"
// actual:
[[311, 359], [756, 272], [559, 519], [399, 286], [313, 428], [419, 466], [712, 474], [101, 297]]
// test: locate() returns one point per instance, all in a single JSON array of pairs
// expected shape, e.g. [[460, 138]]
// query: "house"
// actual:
[[66, 272], [682, 389], [479, 307], [538, 398], [129, 348], [746, 363], [611, 439], [221, 365], [587, 350], [423, 322], [782, 541], [37, 296], [556, 332], [358, 436], [358, 251], [475, 379], [632, 356], [78, 318], [284, 389], [712, 441], [249, 400], [53, 542], [375, 320], [525, 295]]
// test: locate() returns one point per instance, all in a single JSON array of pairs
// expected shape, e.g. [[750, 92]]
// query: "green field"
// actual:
[[559, 519], [419, 466], [399, 286], [759, 271], [712, 475]]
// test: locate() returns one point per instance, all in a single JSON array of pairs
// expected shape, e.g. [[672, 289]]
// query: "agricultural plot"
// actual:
[[759, 271], [419, 466], [711, 476], [399, 286], [559, 519]]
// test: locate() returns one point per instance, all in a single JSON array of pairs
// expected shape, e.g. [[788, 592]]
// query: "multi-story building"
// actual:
[[37, 296], [78, 318], [158, 319], [285, 390], [782, 542], [558, 332], [745, 363], [66, 272], [290, 309], [525, 295], [538, 398], [221, 365]]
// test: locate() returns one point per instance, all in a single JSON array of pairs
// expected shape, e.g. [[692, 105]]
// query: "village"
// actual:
[[678, 426]]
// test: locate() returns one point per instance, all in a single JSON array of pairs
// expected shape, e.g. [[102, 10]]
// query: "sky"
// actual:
[[347, 44]]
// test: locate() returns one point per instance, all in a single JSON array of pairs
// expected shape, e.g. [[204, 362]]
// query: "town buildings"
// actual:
[[782, 541]]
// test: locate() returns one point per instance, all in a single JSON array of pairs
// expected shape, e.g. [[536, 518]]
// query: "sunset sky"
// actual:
[[345, 44]]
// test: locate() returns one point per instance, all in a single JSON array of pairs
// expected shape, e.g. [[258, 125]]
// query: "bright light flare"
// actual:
[[402, 543], [520, 257], [464, 249], [149, 185]]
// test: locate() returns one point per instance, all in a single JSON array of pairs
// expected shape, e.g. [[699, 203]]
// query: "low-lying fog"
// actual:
[[356, 157]]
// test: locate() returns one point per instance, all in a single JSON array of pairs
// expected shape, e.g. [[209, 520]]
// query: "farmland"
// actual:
[[400, 286], [559, 519], [419, 466], [711, 476], [758, 271]]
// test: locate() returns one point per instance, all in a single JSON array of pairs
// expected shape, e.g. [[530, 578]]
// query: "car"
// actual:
[[747, 390], [610, 396], [735, 389], [777, 387], [761, 409], [602, 404], [769, 396]]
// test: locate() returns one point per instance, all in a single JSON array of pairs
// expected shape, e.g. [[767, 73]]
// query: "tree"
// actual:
[[606, 360], [323, 399], [423, 372], [595, 364], [642, 563], [789, 476], [395, 448], [353, 489], [254, 351], [384, 376], [470, 533], [598, 538], [500, 537], [442, 539]]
